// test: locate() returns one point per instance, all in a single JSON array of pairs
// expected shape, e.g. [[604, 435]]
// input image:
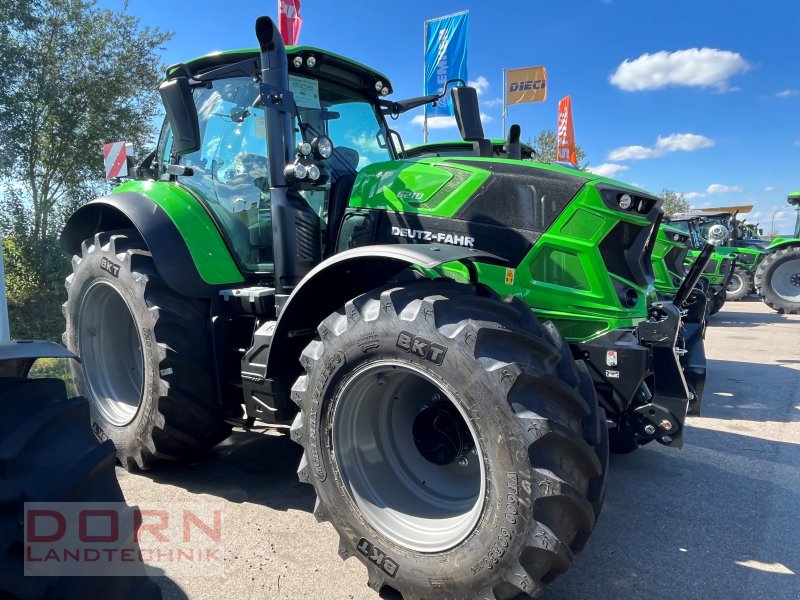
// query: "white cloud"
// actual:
[[787, 93], [443, 122], [481, 84], [693, 195], [631, 153], [770, 188], [718, 188], [492, 103], [677, 142], [696, 67], [607, 169]]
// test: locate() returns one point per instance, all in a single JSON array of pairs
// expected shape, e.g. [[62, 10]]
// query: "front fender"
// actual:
[[333, 282], [188, 249]]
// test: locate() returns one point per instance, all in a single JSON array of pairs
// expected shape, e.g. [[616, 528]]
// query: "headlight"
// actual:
[[625, 201], [313, 172], [297, 61], [311, 62], [296, 170], [304, 148], [323, 147]]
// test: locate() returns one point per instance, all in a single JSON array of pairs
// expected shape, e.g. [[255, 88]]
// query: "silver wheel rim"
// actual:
[[410, 500], [786, 280], [735, 284], [111, 353]]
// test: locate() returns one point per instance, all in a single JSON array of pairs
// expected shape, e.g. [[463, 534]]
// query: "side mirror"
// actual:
[[468, 114], [513, 147], [182, 114], [717, 234]]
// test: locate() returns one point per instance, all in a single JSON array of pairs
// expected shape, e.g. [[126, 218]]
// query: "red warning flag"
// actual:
[[565, 151], [289, 21]]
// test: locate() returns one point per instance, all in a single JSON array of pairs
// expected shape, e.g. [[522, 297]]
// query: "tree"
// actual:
[[72, 77], [673, 202], [545, 147]]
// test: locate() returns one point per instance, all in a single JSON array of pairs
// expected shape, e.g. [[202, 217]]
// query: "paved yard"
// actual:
[[718, 519]]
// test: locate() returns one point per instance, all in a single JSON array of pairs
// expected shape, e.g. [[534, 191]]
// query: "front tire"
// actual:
[[146, 356], [740, 285], [778, 280], [451, 441]]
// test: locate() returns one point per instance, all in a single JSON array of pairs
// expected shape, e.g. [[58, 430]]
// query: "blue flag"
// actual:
[[445, 58]]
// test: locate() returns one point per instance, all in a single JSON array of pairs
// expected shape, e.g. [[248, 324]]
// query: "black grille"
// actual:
[[674, 260], [627, 253], [746, 258], [711, 267]]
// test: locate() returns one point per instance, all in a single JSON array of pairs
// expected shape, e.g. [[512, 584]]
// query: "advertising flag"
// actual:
[[565, 150], [445, 57], [526, 85], [289, 21]]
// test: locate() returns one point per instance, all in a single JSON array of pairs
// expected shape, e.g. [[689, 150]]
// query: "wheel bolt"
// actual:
[[436, 397], [666, 425], [649, 429], [463, 462]]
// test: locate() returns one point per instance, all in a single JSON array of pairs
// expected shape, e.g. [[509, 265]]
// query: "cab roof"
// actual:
[[329, 65]]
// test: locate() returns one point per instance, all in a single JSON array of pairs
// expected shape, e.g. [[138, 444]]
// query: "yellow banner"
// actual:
[[526, 85]]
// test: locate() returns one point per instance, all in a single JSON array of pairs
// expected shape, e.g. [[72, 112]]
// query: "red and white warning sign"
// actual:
[[115, 159]]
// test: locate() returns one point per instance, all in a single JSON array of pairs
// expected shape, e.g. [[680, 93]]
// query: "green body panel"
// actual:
[[714, 276], [563, 277], [210, 254], [416, 186], [783, 242], [666, 280]]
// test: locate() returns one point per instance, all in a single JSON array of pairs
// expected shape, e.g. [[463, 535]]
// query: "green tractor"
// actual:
[[748, 253], [770, 269], [777, 278], [451, 339], [674, 254]]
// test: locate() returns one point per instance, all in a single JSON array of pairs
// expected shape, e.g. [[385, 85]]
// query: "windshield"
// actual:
[[352, 123]]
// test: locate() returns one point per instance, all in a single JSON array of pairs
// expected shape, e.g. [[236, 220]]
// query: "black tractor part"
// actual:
[[49, 454], [452, 442], [146, 353]]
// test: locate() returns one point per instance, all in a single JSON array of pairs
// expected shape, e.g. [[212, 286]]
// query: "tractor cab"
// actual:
[[335, 128]]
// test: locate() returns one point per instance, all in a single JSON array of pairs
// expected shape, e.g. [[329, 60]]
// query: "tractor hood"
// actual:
[[530, 194]]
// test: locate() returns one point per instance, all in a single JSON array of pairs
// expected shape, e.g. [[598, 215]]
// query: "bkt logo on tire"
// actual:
[[378, 556], [421, 347]]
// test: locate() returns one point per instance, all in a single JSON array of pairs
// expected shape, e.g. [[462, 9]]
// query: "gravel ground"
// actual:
[[717, 519]]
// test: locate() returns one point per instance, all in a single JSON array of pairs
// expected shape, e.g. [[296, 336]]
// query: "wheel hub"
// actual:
[[111, 353], [441, 435], [403, 447]]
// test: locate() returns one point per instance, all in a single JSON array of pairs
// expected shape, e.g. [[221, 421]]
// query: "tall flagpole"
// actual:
[[505, 105], [424, 81]]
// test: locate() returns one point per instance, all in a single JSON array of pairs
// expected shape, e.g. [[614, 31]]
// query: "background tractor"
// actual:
[[777, 277], [740, 281], [776, 280], [448, 337]]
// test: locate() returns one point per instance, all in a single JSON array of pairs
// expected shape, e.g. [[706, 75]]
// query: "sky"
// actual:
[[701, 97]]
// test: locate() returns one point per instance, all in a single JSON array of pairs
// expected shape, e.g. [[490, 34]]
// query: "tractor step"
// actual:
[[250, 300]]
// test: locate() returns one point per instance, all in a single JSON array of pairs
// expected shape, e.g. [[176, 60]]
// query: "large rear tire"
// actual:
[[48, 454], [146, 355], [740, 285], [452, 442], [778, 280]]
